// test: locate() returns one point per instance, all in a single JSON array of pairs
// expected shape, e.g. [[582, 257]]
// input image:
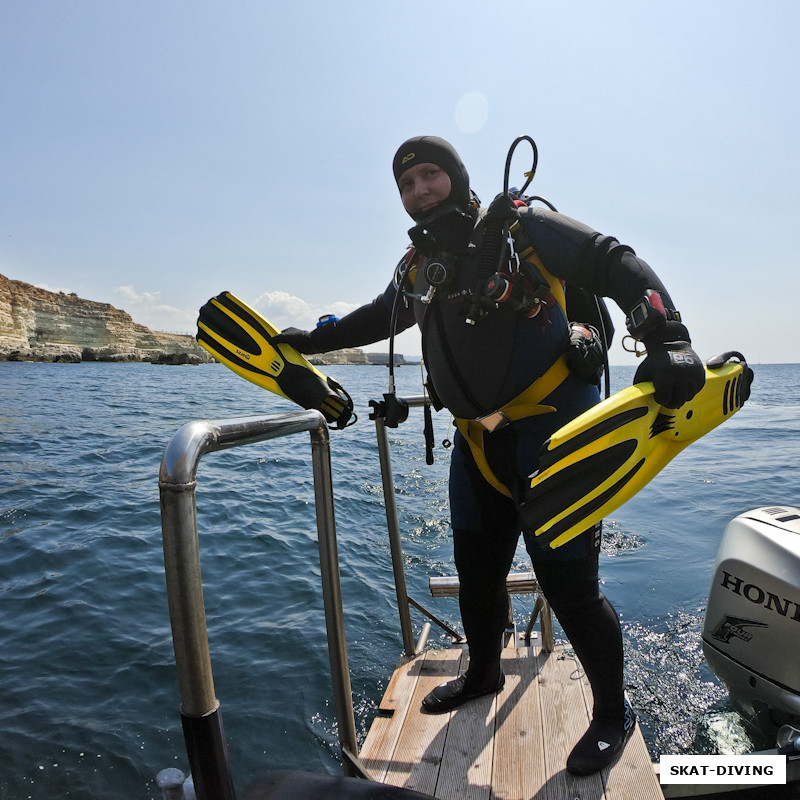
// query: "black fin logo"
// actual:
[[662, 423]]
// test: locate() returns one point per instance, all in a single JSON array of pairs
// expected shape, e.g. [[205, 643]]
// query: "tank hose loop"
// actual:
[[528, 175], [498, 216]]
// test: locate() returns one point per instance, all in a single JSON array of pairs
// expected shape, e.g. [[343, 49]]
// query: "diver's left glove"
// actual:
[[299, 339], [675, 369]]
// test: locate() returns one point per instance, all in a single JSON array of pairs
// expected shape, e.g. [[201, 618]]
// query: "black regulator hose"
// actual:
[[500, 213], [529, 175], [392, 409]]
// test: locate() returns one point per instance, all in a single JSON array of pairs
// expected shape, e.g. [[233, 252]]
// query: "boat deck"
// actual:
[[511, 746]]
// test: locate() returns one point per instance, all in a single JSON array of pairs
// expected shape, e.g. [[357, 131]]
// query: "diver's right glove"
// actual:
[[323, 339], [297, 338], [675, 369]]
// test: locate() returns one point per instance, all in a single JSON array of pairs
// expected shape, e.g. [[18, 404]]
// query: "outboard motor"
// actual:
[[751, 634]]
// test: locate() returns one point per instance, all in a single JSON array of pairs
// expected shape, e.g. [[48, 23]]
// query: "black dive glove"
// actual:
[[367, 324], [299, 339], [675, 369]]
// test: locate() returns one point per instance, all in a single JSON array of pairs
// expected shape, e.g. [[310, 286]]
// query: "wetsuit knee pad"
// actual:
[[569, 575]]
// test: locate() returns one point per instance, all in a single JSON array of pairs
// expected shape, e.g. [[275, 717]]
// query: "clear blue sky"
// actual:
[[155, 153]]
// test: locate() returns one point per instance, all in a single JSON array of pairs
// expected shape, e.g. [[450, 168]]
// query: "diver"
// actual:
[[500, 368]]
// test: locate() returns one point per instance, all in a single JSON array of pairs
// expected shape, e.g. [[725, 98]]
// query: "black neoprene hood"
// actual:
[[433, 150]]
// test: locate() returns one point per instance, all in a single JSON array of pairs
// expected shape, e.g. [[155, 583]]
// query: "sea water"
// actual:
[[89, 704]]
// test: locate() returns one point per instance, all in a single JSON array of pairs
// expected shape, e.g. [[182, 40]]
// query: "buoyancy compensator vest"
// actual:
[[485, 311], [479, 365]]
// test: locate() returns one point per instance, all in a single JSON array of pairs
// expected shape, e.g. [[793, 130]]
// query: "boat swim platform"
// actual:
[[509, 746]]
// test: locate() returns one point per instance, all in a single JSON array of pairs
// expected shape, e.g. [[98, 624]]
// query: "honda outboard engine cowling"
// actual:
[[751, 635]]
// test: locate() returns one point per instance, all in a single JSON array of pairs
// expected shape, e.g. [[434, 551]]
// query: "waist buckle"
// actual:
[[492, 421]]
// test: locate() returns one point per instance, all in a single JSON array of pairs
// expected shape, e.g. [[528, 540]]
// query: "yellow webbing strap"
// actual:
[[527, 253], [526, 404]]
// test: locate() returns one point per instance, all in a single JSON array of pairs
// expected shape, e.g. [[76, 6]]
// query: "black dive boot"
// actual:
[[454, 693], [483, 601], [593, 629], [601, 744]]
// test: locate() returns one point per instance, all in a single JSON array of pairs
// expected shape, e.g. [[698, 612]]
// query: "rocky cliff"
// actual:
[[37, 325]]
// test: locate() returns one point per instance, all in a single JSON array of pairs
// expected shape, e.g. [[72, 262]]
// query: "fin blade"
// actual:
[[589, 514], [241, 339], [555, 490], [555, 451], [588, 469], [241, 367]]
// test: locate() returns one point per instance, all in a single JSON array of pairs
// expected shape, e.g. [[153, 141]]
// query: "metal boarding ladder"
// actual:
[[200, 710]]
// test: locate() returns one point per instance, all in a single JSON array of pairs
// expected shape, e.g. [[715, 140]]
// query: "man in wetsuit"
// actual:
[[499, 368]]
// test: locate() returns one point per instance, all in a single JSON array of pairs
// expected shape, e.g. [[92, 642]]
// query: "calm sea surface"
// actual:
[[89, 705]]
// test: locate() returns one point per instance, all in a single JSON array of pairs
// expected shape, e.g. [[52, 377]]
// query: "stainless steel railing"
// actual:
[[404, 601], [200, 710]]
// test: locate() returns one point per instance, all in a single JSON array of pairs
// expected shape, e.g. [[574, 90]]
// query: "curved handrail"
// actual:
[[200, 710]]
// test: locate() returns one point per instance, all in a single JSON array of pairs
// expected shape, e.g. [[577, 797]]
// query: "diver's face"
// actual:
[[422, 187]]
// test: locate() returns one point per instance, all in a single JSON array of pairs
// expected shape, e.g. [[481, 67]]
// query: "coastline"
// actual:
[[55, 327]]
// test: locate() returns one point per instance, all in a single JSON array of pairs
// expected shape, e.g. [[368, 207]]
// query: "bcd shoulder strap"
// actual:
[[579, 304]]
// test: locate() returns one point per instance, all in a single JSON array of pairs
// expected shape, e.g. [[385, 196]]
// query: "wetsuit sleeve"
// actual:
[[578, 254], [369, 323], [574, 252]]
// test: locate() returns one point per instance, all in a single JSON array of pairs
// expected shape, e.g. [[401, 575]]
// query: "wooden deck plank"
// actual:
[[466, 768], [512, 746], [519, 770], [385, 730], [418, 755], [565, 717], [632, 777]]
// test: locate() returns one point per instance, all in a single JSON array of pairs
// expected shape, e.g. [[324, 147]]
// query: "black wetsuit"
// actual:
[[475, 370]]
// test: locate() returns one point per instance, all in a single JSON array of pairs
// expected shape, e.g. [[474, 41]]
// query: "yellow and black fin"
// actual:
[[599, 460], [243, 340]]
